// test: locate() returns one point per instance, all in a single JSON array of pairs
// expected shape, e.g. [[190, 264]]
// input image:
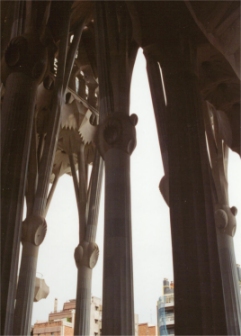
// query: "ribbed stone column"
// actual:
[[116, 140], [87, 252], [86, 256], [230, 283], [159, 105], [197, 271], [25, 60], [34, 227], [225, 221], [116, 53], [33, 233]]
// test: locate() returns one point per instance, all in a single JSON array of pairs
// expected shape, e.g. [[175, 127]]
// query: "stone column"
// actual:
[[87, 252], [199, 300], [116, 141], [86, 256], [116, 53], [229, 273], [26, 69], [159, 105], [33, 233], [35, 226], [224, 218]]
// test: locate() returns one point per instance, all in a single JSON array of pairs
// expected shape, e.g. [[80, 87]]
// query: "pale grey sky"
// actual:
[[152, 251]]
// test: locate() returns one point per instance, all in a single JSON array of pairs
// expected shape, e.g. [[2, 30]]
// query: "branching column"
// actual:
[[34, 227], [26, 58], [197, 274], [116, 141], [116, 52], [87, 252]]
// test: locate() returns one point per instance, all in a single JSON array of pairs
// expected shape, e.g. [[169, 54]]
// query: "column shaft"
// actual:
[[24, 303], [83, 296], [197, 276], [118, 310], [18, 106], [27, 275], [83, 301], [230, 283]]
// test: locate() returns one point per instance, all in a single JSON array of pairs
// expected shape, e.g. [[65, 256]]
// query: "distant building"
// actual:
[[56, 328], [61, 323], [145, 330], [165, 310]]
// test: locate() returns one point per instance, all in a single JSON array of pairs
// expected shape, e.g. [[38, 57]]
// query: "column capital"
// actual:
[[117, 131], [86, 254], [34, 230]]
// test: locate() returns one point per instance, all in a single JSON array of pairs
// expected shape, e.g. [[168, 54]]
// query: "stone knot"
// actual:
[[34, 229], [117, 131], [86, 254], [225, 219], [26, 54]]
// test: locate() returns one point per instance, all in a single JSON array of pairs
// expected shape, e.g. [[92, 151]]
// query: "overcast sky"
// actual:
[[152, 251]]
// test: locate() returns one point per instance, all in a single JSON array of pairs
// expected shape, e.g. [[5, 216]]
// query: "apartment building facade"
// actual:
[[165, 310], [61, 323]]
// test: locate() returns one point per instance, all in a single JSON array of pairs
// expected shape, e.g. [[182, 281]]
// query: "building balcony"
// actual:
[[170, 320]]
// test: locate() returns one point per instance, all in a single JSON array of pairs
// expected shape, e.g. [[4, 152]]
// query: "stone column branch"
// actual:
[[82, 191], [158, 100]]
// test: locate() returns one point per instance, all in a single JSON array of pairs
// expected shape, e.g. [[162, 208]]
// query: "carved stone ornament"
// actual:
[[225, 219], [86, 254], [117, 131], [34, 230], [26, 54]]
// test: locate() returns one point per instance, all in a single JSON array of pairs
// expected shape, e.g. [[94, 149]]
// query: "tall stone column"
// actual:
[[34, 227], [116, 141], [25, 58], [224, 216], [87, 252], [197, 273], [116, 53]]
